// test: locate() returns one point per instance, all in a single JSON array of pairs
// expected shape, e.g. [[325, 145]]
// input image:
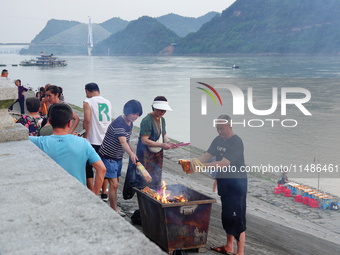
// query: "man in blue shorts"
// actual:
[[227, 147], [115, 143], [69, 151]]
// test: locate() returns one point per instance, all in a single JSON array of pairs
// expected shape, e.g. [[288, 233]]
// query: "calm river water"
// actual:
[[316, 139]]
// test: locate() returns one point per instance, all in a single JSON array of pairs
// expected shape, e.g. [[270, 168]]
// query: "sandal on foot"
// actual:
[[221, 250]]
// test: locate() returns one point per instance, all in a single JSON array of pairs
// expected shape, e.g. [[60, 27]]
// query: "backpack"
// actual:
[[179, 251], [135, 218], [33, 124]]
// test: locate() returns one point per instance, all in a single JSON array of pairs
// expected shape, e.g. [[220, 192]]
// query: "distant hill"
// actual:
[[52, 28], [269, 26], [78, 35], [71, 41], [114, 25], [246, 27], [182, 26], [64, 37], [143, 36]]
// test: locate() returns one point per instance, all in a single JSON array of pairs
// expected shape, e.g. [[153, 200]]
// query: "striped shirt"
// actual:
[[111, 147]]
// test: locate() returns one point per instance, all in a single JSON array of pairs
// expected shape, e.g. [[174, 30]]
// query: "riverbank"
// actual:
[[268, 215], [275, 224]]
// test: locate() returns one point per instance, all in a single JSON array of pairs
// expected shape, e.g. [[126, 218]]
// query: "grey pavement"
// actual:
[[275, 224], [44, 210]]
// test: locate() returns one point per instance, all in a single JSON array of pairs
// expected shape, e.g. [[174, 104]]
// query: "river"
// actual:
[[120, 79]]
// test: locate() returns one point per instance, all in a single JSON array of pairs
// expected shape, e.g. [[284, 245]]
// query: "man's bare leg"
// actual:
[[229, 247], [241, 243]]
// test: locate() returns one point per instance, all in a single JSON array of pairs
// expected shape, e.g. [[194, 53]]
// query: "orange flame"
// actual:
[[163, 196]]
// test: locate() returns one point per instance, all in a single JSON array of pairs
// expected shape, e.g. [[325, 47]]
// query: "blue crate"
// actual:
[[325, 203]]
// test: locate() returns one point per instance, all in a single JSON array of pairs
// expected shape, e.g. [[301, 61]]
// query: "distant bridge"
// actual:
[[14, 48], [45, 44], [76, 36], [11, 44]]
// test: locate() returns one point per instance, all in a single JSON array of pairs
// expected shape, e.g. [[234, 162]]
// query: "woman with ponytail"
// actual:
[[54, 95]]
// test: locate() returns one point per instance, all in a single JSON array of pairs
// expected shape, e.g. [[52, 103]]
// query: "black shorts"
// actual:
[[233, 193], [89, 170], [234, 215]]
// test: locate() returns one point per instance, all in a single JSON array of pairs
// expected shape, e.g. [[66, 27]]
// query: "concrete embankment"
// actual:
[[44, 210]]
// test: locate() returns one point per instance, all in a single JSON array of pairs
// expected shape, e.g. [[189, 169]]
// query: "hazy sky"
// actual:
[[22, 20]]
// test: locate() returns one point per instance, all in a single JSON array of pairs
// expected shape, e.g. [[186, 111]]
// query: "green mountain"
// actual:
[[269, 26], [185, 25], [72, 41], [144, 36], [114, 25], [62, 37], [52, 28]]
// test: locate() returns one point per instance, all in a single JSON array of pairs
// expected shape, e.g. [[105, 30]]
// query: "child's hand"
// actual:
[[134, 158]]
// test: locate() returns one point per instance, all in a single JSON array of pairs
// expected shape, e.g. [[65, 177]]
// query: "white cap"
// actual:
[[161, 105]]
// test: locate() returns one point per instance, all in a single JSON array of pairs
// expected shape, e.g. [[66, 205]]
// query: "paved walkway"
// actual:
[[276, 224]]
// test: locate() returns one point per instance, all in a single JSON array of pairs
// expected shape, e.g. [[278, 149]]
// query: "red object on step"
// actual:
[[283, 188], [313, 203], [298, 198], [287, 193], [305, 200], [277, 190]]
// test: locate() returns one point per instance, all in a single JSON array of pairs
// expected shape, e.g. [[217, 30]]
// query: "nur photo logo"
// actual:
[[277, 101]]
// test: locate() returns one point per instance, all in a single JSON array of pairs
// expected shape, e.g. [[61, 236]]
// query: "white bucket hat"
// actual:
[[161, 105]]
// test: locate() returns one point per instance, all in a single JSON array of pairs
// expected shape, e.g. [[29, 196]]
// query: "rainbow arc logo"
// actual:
[[209, 90], [211, 94]]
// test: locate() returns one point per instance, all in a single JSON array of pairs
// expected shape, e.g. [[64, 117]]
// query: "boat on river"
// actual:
[[44, 60]]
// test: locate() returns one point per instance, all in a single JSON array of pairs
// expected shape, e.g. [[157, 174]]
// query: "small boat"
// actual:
[[235, 66], [2, 65], [14, 65], [44, 60]]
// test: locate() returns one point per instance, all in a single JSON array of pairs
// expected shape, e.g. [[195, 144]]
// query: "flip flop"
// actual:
[[221, 250]]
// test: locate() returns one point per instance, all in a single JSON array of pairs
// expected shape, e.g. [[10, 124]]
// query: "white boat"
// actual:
[[44, 60]]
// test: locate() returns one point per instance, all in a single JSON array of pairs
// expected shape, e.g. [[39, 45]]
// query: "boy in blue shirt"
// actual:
[[69, 151]]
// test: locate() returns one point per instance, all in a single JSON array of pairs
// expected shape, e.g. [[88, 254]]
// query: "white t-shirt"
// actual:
[[100, 118]]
